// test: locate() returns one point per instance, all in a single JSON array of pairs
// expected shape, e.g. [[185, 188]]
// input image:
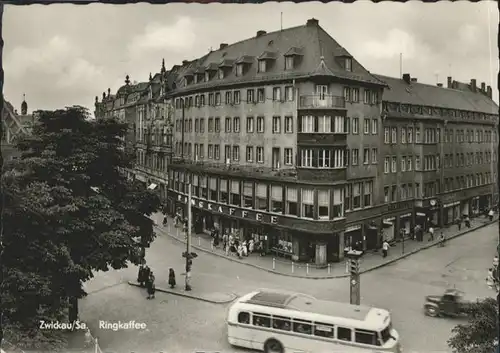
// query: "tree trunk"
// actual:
[[73, 309]]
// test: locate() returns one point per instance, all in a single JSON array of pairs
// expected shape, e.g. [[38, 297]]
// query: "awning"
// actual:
[[405, 215], [152, 186], [420, 214], [452, 204], [388, 223], [352, 228]]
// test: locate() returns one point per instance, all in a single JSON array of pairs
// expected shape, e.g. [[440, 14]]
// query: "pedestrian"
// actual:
[[495, 261], [239, 251], [251, 245], [442, 239], [171, 278], [141, 279], [490, 214], [385, 248], [165, 221], [150, 285], [244, 248], [459, 223], [431, 234], [467, 222]]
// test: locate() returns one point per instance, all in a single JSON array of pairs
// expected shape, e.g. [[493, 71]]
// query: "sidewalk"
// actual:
[[369, 262]]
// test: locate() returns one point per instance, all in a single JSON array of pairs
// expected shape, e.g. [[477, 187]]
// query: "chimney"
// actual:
[[473, 86], [450, 82], [312, 22], [407, 78], [489, 92], [414, 80], [185, 62], [260, 33], [483, 87], [440, 85], [222, 46]]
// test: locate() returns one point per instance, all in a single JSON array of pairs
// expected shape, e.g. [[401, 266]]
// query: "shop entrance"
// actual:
[[464, 208], [389, 232]]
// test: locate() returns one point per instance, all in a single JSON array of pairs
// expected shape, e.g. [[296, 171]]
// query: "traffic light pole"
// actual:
[[188, 241], [355, 285]]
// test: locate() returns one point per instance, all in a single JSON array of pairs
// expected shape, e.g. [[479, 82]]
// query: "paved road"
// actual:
[[177, 324]]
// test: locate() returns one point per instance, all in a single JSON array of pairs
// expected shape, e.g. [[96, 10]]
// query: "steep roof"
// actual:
[[434, 96], [311, 40]]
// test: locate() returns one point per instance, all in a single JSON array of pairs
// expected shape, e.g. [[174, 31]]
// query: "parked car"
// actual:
[[451, 303]]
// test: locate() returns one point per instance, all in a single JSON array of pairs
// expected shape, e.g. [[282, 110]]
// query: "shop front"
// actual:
[[389, 229], [484, 203], [465, 208], [475, 206], [405, 224], [451, 211], [370, 239], [353, 237]]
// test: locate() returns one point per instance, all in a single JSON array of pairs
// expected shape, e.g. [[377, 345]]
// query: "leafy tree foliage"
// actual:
[[480, 334], [69, 210]]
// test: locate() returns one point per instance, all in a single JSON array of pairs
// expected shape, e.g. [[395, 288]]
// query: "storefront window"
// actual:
[[338, 209], [356, 192], [276, 199], [323, 204], [203, 187], [213, 189], [235, 193], [308, 203], [223, 191], [283, 243], [194, 186], [261, 197], [291, 201], [248, 194]]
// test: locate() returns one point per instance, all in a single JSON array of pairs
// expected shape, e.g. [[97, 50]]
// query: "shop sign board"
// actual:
[[397, 206]]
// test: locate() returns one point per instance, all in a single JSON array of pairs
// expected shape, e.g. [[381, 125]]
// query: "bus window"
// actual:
[[323, 330], [244, 317], [304, 327], [366, 337], [262, 320], [344, 334], [281, 323]]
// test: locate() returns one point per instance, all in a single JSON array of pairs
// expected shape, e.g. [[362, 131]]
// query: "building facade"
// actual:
[[15, 125]]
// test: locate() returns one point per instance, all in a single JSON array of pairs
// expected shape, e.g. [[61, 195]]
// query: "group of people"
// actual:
[[232, 244], [146, 278]]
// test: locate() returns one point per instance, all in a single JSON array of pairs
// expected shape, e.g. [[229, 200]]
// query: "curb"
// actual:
[[389, 262], [181, 294]]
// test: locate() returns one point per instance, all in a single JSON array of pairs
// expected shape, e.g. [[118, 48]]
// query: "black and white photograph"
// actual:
[[276, 177]]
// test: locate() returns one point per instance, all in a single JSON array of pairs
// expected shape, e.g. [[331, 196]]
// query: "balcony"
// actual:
[[321, 101]]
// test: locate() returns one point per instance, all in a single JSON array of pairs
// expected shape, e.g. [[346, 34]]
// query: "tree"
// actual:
[[70, 211], [480, 334]]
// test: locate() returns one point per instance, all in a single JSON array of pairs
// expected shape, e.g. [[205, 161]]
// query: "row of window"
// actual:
[[233, 124], [393, 193], [470, 136], [468, 159], [466, 181], [358, 195], [432, 135], [351, 95], [431, 162], [305, 327], [263, 197]]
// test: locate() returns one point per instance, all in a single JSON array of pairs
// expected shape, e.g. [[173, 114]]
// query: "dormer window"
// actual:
[[262, 66], [207, 76], [239, 70], [266, 61], [292, 57], [289, 62], [211, 71], [225, 68], [220, 74], [348, 64], [243, 63]]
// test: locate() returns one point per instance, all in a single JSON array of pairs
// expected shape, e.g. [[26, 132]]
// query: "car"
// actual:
[[451, 303]]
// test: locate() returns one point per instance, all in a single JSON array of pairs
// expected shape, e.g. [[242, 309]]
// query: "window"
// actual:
[[236, 124], [235, 198], [356, 192], [202, 125], [289, 93], [210, 151], [368, 193], [417, 135], [260, 124], [261, 95], [347, 94], [394, 193], [366, 337], [250, 124], [324, 157], [229, 97], [236, 97], [276, 93], [367, 97], [410, 135], [217, 152], [307, 124], [288, 156], [394, 135], [288, 124], [386, 135], [347, 197], [196, 125], [276, 199], [288, 62], [324, 124], [348, 64], [276, 124], [347, 124], [228, 125], [249, 153], [304, 327], [374, 155], [323, 204], [239, 70], [338, 158], [417, 162], [227, 153], [262, 320], [217, 98], [387, 162], [408, 163], [344, 334], [236, 153], [386, 194], [220, 74], [306, 158], [366, 126], [211, 100], [394, 167], [323, 330], [244, 318], [248, 194], [403, 163], [217, 124], [355, 95], [210, 124], [260, 154], [355, 126], [282, 323], [355, 156], [261, 197], [213, 189], [366, 155], [338, 210], [339, 124], [291, 201], [262, 66], [203, 186], [308, 203], [403, 135], [250, 96]]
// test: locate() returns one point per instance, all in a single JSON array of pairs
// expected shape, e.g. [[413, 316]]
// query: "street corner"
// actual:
[[209, 297]]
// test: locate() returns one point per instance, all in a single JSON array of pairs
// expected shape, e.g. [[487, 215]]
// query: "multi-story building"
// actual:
[[15, 125]]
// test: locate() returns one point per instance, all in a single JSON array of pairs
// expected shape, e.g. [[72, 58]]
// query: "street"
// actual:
[[177, 324]]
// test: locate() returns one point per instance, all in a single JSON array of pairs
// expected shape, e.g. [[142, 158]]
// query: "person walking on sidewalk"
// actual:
[[385, 248], [431, 234], [165, 221], [490, 214], [171, 278], [151, 287], [459, 224]]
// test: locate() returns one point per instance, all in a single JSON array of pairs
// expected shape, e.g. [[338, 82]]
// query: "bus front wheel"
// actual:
[[273, 346]]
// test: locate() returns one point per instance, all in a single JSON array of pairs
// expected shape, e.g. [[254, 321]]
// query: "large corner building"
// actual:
[[286, 138]]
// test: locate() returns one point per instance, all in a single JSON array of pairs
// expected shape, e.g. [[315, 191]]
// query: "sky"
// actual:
[[63, 55]]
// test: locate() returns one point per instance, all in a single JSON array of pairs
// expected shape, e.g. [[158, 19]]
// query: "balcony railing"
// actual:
[[321, 101]]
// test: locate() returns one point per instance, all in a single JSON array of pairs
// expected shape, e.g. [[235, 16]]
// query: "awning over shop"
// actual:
[[452, 204], [420, 214], [352, 228], [406, 215], [152, 186], [388, 222]]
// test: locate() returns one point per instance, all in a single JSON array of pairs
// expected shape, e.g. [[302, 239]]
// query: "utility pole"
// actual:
[[355, 285], [189, 256]]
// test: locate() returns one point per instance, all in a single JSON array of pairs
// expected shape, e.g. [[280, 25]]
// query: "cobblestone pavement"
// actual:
[[177, 324], [369, 261]]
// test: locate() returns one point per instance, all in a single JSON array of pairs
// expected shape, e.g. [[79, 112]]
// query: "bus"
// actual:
[[286, 322]]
